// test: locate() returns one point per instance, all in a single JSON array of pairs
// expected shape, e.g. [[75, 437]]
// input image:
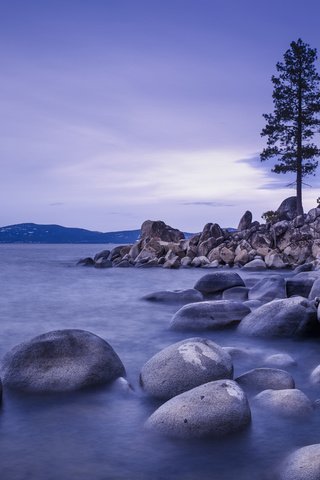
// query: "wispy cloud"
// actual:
[[209, 204]]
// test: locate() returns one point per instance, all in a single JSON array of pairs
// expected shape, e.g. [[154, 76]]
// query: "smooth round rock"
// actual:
[[284, 318], [215, 314], [183, 366], [62, 360], [213, 409], [315, 375], [280, 360], [218, 281], [302, 464], [289, 402], [175, 296], [260, 379], [256, 264]]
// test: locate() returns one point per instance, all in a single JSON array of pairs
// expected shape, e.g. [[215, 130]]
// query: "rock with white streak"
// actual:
[[214, 409], [183, 366]]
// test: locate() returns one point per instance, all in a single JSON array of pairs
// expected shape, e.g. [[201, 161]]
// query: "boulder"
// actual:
[[289, 317], [61, 360], [183, 366], [281, 360], [235, 293], [102, 254], [161, 231], [245, 221], [275, 260], [260, 379], [214, 409], [256, 264], [175, 296], [268, 288], [86, 262], [210, 230], [301, 284], [287, 209], [218, 281], [315, 289], [172, 262], [185, 262], [209, 315], [200, 262], [103, 262], [226, 255], [288, 402], [302, 464], [315, 375]]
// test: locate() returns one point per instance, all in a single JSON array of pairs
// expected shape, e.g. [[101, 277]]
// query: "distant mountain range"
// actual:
[[33, 233]]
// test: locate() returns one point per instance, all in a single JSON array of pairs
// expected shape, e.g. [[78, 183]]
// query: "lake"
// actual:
[[99, 434]]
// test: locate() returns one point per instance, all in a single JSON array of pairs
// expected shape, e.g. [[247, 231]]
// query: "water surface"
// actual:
[[99, 435]]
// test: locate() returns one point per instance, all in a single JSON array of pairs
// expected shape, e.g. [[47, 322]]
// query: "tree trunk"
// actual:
[[299, 148]]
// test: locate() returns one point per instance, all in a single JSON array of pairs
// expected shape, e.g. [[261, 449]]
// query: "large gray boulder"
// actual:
[[62, 360], [218, 281], [175, 296], [215, 314], [159, 230], [268, 289], [245, 221], [287, 209], [288, 403], [260, 379], [213, 409], [288, 317], [302, 464], [185, 365]]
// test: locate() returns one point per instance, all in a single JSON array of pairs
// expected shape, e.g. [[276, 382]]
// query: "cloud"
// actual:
[[56, 204], [209, 204]]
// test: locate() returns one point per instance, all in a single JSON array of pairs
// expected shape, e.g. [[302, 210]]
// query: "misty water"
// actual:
[[99, 434]]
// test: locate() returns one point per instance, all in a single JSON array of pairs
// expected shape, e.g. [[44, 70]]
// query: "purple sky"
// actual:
[[115, 111]]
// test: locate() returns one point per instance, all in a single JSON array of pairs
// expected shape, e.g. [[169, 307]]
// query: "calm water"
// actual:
[[99, 435]]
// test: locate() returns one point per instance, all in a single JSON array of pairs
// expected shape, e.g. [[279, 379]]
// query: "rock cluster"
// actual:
[[290, 241]]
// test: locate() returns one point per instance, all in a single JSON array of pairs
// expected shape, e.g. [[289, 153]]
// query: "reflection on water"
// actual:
[[99, 435]]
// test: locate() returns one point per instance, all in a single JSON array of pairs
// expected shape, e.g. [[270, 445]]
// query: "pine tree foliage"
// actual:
[[295, 120]]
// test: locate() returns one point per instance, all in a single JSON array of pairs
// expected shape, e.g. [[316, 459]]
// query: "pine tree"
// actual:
[[295, 120]]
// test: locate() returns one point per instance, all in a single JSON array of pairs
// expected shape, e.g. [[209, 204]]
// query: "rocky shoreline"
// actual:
[[285, 242]]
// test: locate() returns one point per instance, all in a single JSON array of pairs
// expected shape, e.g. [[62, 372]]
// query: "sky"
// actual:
[[118, 111]]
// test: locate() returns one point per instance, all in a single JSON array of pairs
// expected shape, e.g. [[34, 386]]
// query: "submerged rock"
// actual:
[[235, 293], [288, 403], [268, 289], [315, 375], [294, 316], [218, 281], [86, 262], [185, 365], [280, 360], [176, 296], [260, 379], [209, 315], [302, 464], [61, 360], [301, 284], [213, 409]]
